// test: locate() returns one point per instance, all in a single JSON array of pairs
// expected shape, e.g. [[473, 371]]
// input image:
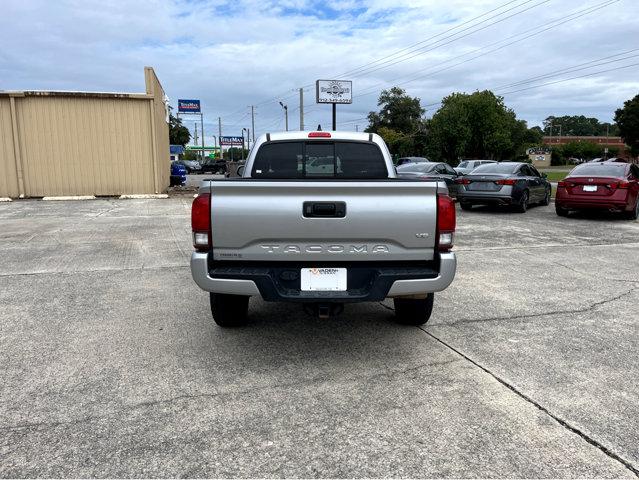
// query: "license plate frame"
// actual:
[[590, 188], [323, 279]]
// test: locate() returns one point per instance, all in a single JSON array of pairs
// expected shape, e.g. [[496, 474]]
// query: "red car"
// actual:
[[605, 186]]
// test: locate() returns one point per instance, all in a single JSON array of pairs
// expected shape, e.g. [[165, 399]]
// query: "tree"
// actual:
[[398, 111], [399, 122], [236, 153], [579, 125], [178, 133], [477, 125], [627, 119]]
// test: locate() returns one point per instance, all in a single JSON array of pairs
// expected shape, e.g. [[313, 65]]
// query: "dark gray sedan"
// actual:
[[505, 183], [431, 171]]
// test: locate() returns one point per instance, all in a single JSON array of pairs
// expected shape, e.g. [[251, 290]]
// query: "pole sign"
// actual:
[[189, 106], [231, 141], [334, 91]]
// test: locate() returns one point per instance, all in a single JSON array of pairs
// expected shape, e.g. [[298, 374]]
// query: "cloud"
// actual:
[[248, 52]]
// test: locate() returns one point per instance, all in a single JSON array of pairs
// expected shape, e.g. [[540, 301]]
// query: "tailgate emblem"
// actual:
[[421, 235]]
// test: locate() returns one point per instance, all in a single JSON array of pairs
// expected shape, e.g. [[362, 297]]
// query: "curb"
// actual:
[[70, 197], [142, 196]]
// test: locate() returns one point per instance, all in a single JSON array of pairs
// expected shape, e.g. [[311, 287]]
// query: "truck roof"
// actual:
[[334, 135]]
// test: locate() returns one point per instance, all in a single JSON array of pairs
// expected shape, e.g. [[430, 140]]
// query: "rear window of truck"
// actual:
[[319, 159]]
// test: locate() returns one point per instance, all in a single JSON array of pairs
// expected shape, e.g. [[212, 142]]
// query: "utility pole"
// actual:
[[195, 137], [219, 135], [301, 109], [357, 128], [253, 122], [334, 116], [285, 107], [202, 120]]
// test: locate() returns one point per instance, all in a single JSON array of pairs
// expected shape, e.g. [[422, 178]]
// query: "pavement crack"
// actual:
[[587, 309], [564, 423], [197, 396]]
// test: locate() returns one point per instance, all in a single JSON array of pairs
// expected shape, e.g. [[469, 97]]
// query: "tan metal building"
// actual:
[[84, 143]]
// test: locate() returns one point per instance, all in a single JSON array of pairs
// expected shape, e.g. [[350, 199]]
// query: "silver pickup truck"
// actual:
[[320, 218]]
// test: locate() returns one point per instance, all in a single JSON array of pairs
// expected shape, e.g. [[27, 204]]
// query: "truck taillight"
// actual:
[[201, 222], [446, 222]]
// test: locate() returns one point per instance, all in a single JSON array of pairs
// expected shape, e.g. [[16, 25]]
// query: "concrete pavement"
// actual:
[[112, 365]]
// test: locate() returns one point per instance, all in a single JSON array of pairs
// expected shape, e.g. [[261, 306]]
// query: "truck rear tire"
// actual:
[[410, 311], [229, 310]]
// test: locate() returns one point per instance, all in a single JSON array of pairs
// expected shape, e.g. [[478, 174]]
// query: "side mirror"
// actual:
[[240, 171], [544, 175]]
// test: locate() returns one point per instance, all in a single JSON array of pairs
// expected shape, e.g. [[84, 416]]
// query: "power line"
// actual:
[[536, 31], [583, 66], [571, 78], [428, 39], [436, 45]]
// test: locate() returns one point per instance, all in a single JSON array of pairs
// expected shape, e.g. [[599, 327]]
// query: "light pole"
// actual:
[[247, 137], [285, 107]]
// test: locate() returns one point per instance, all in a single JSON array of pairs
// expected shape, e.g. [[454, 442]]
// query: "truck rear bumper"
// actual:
[[373, 283]]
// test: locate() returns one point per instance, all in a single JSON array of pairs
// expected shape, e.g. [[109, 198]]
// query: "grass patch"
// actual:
[[556, 176]]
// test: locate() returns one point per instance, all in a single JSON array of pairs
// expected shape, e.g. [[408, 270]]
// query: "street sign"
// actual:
[[334, 91], [189, 106], [232, 141]]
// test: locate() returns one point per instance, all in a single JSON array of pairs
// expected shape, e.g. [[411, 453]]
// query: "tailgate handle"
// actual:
[[324, 209]]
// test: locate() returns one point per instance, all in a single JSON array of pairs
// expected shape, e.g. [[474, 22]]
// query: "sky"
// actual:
[[233, 54]]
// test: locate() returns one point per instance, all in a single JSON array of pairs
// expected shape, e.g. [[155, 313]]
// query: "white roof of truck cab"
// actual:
[[334, 135]]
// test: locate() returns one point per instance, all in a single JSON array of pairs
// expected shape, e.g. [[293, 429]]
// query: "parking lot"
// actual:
[[112, 365]]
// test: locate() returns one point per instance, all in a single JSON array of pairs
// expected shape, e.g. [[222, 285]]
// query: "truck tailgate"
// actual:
[[386, 220]]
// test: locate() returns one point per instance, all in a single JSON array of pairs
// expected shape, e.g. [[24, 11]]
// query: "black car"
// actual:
[[506, 183], [406, 160], [431, 171], [214, 166]]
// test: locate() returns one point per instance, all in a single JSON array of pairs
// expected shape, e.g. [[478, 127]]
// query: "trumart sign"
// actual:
[[232, 141], [334, 91], [189, 106]]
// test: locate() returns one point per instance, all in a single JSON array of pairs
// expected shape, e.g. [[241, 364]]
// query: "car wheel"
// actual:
[[522, 206], [409, 311], [634, 214], [546, 201], [466, 206], [229, 310], [561, 211]]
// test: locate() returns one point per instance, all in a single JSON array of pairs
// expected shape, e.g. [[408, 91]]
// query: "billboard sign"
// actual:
[[334, 91], [189, 106], [232, 141]]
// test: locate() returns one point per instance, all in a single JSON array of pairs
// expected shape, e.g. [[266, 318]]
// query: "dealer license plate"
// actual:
[[590, 188], [323, 279]]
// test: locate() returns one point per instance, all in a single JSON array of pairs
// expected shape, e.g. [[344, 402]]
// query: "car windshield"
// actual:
[[335, 159], [496, 168], [416, 167], [463, 165], [599, 170]]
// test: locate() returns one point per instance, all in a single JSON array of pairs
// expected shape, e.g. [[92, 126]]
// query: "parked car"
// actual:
[[610, 186], [608, 160], [291, 230], [191, 166], [516, 184], [214, 166], [405, 160], [431, 171], [467, 166], [178, 174]]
